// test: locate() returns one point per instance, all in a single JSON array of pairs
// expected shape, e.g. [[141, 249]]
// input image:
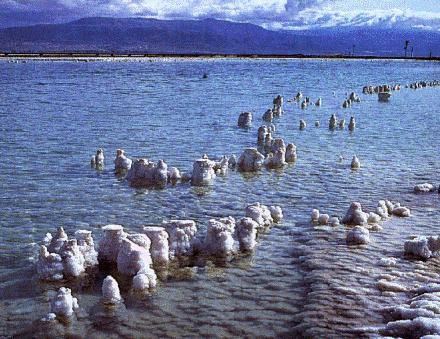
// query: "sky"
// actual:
[[271, 14]]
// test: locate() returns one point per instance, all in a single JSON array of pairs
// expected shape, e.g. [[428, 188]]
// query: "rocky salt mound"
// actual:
[[422, 247], [418, 318], [62, 257], [122, 163]]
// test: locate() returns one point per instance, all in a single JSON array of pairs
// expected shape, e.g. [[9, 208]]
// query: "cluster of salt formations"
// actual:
[[323, 218], [131, 254], [97, 160], [245, 120], [122, 163], [225, 236], [63, 305], [335, 122], [352, 98], [181, 236], [425, 188], [60, 256], [418, 318], [250, 160], [277, 156], [307, 101], [380, 89], [423, 84], [145, 173], [363, 221], [422, 247]]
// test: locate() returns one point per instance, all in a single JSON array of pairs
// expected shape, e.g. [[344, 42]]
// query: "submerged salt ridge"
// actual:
[[331, 290]]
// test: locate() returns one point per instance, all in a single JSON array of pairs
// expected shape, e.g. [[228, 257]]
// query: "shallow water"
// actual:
[[301, 280]]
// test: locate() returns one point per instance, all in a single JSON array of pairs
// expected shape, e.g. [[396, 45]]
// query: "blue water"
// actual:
[[56, 114]]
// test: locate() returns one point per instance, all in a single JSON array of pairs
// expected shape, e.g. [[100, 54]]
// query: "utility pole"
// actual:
[[412, 51], [353, 49]]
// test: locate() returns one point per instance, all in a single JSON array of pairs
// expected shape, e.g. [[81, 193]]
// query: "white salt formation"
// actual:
[[332, 122], [268, 115], [418, 318], [352, 124], [334, 221], [290, 155], [66, 257], [50, 265], [222, 166], [341, 123], [245, 120], [382, 209], [111, 242], [246, 231], [315, 215], [401, 211], [276, 213], [374, 218], [423, 247], [122, 163], [63, 304], [250, 160], [174, 175], [159, 244], [323, 219], [260, 214], [355, 215], [181, 236], [97, 161], [146, 173], [203, 172], [131, 254], [277, 156], [87, 247], [424, 188], [110, 291], [133, 257], [358, 235], [302, 124], [262, 132], [355, 163], [278, 106], [219, 237]]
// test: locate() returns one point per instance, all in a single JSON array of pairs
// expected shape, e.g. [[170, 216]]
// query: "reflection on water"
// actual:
[[302, 280]]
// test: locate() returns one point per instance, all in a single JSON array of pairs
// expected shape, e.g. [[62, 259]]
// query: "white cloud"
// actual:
[[273, 14]]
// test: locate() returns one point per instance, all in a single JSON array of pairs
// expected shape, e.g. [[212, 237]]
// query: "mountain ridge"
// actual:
[[210, 36]]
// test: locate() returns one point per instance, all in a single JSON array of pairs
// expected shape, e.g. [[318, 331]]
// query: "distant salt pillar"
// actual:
[[352, 124], [355, 163], [245, 120]]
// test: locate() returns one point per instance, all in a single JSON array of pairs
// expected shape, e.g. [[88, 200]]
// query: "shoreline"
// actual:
[[91, 55]]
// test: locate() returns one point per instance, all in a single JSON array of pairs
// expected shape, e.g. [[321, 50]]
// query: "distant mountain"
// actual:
[[209, 36]]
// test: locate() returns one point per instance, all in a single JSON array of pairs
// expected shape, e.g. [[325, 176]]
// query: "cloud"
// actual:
[[272, 14]]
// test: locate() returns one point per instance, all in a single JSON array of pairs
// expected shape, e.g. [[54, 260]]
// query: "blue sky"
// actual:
[[272, 14]]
